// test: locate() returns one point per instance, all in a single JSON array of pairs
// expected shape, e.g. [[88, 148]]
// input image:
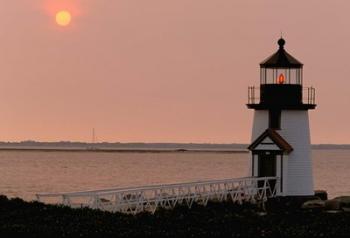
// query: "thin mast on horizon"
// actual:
[[93, 136]]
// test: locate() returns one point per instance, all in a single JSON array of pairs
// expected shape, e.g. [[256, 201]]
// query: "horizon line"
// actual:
[[139, 142]]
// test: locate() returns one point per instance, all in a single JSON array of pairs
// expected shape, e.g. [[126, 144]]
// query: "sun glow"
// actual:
[[63, 18]]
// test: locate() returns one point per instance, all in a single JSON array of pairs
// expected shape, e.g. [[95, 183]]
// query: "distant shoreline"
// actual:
[[139, 147], [141, 150], [124, 150]]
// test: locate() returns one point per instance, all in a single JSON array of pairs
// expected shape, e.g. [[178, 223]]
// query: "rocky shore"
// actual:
[[279, 218]]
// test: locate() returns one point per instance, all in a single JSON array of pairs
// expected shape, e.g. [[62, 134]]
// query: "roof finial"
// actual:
[[281, 41]]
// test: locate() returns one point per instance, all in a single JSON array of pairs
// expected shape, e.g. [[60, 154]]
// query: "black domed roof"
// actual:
[[281, 59]]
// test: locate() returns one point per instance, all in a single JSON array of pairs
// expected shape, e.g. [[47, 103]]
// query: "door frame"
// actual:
[[278, 167]]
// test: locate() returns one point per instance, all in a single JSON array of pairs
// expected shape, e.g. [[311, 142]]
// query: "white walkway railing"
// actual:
[[149, 198]]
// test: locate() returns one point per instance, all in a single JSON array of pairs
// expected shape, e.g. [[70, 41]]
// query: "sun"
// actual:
[[63, 18]]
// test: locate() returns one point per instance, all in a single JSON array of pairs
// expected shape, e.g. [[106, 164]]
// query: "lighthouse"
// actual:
[[280, 145]]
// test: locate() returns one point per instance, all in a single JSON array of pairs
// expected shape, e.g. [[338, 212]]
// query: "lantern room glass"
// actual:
[[281, 76]]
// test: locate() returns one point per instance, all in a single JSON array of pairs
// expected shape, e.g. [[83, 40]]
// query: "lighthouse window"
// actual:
[[275, 119], [281, 76]]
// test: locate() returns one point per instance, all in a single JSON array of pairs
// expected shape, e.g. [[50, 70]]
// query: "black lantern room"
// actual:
[[281, 84]]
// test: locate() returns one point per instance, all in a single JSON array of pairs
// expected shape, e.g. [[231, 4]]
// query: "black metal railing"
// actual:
[[308, 95], [253, 97]]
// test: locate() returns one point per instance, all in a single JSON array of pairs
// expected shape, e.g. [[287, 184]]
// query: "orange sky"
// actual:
[[164, 71]]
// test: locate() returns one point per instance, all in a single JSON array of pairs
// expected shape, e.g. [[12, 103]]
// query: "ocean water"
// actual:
[[25, 173]]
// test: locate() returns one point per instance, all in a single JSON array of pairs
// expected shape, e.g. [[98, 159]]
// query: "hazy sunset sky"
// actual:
[[161, 70]]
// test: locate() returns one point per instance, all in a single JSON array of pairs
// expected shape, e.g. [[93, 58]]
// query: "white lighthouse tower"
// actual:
[[281, 136]]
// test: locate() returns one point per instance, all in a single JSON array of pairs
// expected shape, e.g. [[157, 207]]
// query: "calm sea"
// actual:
[[25, 173]]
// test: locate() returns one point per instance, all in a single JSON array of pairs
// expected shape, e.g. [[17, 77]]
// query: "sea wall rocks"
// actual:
[[314, 204], [338, 203], [341, 203]]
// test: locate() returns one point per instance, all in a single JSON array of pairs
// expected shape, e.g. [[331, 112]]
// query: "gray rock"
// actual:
[[334, 211], [314, 204], [343, 199], [332, 204], [346, 209], [344, 202]]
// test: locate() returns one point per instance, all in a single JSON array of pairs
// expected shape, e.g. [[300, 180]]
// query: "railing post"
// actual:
[[265, 183], [278, 185], [253, 94], [248, 95], [65, 200]]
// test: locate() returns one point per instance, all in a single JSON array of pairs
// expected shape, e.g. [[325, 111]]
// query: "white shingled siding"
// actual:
[[297, 174], [295, 130], [260, 123], [278, 172], [256, 171], [284, 180]]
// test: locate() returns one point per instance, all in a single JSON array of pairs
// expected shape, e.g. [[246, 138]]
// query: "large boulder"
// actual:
[[332, 204], [317, 204], [344, 202]]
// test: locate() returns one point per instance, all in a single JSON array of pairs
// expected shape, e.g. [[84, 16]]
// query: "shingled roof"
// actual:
[[281, 59]]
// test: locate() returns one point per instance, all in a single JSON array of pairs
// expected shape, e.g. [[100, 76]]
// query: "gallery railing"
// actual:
[[308, 95]]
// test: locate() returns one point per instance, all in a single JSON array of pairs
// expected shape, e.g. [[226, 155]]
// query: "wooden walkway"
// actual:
[[148, 198]]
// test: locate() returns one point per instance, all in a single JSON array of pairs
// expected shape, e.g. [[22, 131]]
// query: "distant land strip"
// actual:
[[122, 150], [143, 147]]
